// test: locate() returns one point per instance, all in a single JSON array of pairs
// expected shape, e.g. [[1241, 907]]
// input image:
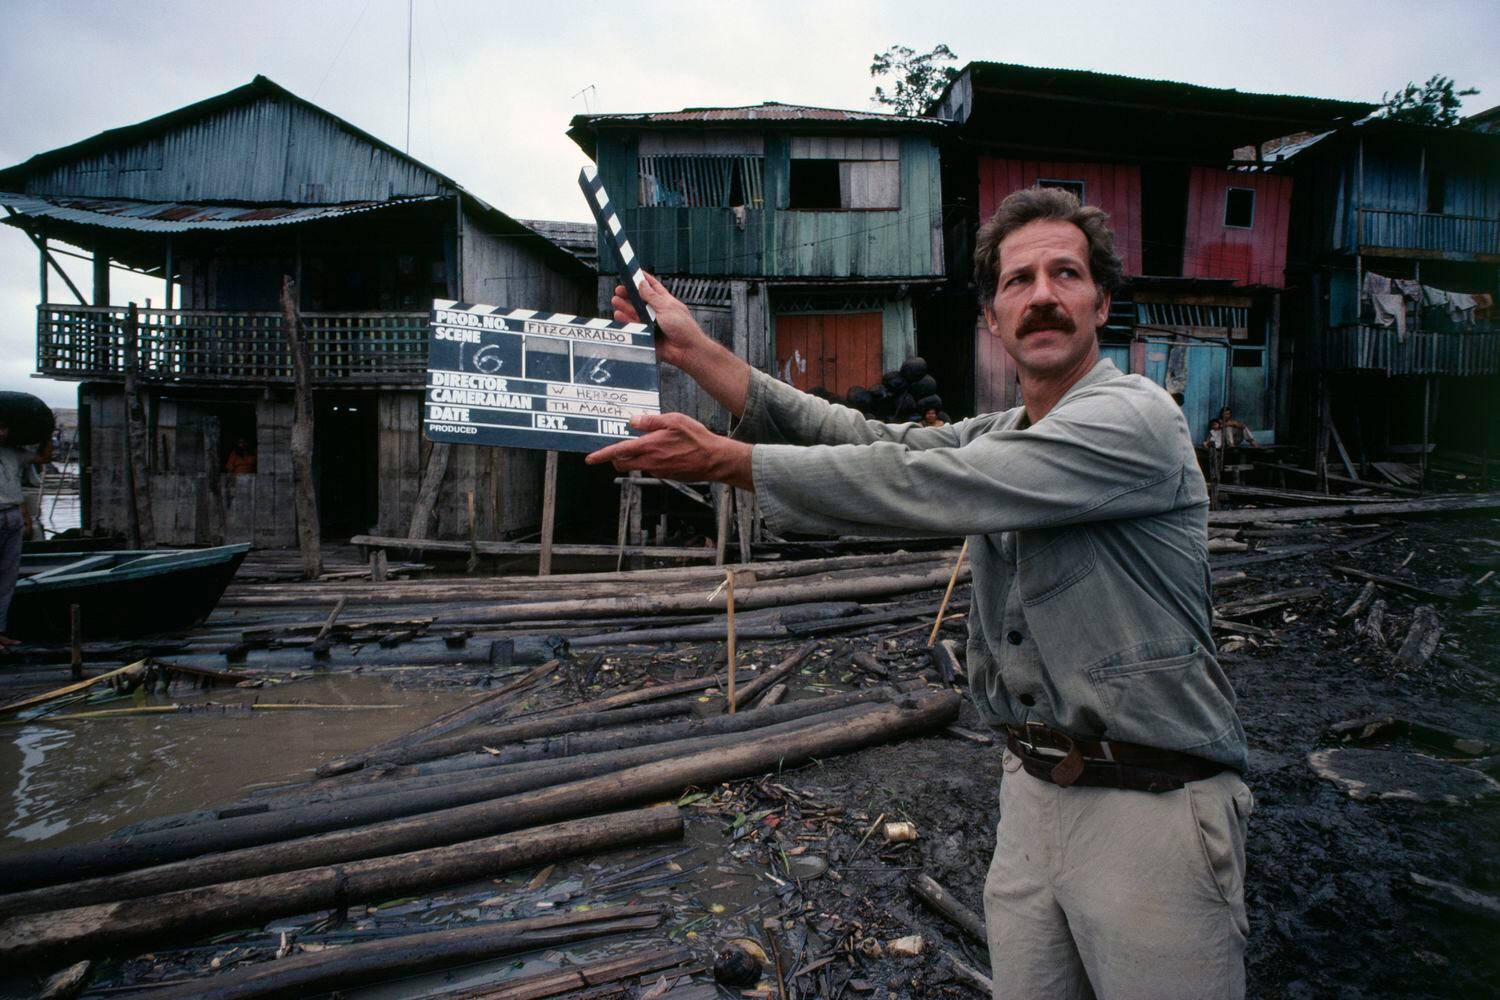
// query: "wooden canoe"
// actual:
[[121, 593]]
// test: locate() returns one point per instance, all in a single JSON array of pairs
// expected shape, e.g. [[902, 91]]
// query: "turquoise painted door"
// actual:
[[1197, 371]]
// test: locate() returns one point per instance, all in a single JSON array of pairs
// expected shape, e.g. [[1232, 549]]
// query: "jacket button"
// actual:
[[1014, 638], [1028, 700]]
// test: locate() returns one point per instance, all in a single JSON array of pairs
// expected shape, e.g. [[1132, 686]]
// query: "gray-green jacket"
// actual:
[[1088, 537]]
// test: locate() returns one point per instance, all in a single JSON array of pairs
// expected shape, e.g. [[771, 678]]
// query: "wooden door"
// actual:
[[834, 350]]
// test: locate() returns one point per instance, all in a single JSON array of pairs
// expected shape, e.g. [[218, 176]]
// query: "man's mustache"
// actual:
[[1045, 318]]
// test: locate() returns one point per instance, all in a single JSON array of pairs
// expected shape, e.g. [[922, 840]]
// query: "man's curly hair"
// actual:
[[1039, 204]]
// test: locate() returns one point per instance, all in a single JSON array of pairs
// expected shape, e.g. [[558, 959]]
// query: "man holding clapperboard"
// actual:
[[1119, 864]]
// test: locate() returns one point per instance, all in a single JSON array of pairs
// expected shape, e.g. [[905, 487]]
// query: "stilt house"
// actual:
[[1202, 231], [799, 236], [1397, 232], [220, 200]]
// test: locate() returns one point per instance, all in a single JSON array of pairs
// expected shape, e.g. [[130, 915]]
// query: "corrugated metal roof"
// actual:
[[770, 111], [182, 217], [581, 239]]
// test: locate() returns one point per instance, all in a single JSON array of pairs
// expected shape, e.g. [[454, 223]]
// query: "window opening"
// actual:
[[1073, 187], [699, 181], [814, 184], [1239, 208], [1437, 191]]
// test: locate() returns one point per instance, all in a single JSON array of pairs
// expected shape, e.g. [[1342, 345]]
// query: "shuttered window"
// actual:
[[699, 181]]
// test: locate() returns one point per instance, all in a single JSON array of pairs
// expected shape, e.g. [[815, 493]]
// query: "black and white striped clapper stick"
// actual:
[[614, 234]]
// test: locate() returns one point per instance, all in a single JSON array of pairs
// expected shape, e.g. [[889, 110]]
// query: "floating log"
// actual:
[[194, 913], [401, 800], [372, 962], [765, 596], [484, 707], [644, 783], [571, 980], [139, 666]]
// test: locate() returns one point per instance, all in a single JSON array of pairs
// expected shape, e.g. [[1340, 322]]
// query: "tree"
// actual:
[[1433, 103], [919, 78]]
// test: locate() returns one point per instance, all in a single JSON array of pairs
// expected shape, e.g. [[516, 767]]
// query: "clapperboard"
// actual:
[[520, 378], [525, 379]]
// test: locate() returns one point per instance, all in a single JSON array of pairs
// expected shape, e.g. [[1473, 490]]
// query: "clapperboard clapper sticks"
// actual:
[[608, 219], [519, 378]]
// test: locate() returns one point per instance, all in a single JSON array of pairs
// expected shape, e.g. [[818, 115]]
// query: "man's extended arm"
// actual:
[[682, 343]]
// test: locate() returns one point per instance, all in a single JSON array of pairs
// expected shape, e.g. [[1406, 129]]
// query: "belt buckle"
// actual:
[[1023, 737]]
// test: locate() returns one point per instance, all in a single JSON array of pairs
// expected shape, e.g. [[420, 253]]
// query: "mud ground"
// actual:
[[1332, 906]]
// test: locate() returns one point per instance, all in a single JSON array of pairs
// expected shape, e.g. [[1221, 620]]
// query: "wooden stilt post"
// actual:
[[308, 533], [75, 631], [138, 438], [473, 562], [723, 501], [549, 513], [729, 617], [1426, 426], [432, 481], [744, 512]]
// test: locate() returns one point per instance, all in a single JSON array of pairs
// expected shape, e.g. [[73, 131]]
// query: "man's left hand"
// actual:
[[678, 447]]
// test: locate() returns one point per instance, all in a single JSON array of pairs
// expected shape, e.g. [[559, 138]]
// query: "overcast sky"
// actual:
[[494, 84]]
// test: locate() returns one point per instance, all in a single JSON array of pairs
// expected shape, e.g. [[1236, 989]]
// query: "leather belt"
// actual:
[[1056, 757]]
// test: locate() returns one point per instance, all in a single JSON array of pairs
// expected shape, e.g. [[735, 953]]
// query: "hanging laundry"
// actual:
[[1374, 284], [1434, 297], [1461, 308], [1412, 290], [1483, 307], [1390, 311]]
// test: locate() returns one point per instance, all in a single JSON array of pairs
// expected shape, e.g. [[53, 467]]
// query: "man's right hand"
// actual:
[[682, 343]]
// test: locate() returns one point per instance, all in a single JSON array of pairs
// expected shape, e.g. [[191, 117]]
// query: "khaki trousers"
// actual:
[[1102, 892]]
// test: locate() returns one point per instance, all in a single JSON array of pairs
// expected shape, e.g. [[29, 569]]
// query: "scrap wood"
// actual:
[[1390, 727], [947, 594], [1241, 628], [28, 940], [42, 699], [212, 707], [1401, 585], [1457, 897], [1421, 640], [353, 965], [604, 971], [943, 902], [1428, 505], [1261, 603], [1360, 603]]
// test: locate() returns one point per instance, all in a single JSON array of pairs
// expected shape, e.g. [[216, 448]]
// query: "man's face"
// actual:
[[1046, 308]]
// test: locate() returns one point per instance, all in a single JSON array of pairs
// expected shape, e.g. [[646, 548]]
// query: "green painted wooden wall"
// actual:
[[774, 242]]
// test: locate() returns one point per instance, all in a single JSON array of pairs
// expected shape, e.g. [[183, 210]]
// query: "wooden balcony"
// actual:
[[245, 348], [1347, 348], [1424, 234]]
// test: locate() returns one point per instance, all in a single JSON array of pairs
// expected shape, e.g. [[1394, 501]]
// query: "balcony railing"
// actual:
[[1382, 349], [180, 345], [1425, 231]]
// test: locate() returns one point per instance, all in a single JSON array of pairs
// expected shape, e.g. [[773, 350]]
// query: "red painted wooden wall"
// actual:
[[1116, 188], [1253, 256]]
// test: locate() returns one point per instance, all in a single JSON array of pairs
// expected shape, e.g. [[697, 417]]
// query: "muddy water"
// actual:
[[65, 782]]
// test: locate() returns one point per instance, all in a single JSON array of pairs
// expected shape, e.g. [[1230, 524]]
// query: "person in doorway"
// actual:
[[934, 418], [1119, 864], [241, 460], [15, 519]]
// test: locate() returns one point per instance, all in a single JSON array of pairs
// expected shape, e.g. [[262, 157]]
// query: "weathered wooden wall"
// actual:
[[774, 241], [1253, 256], [1114, 187], [501, 270]]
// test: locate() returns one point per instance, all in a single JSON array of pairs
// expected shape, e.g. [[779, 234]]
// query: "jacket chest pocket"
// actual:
[[1049, 562]]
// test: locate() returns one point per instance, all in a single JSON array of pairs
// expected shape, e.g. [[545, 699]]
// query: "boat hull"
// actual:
[[156, 594]]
